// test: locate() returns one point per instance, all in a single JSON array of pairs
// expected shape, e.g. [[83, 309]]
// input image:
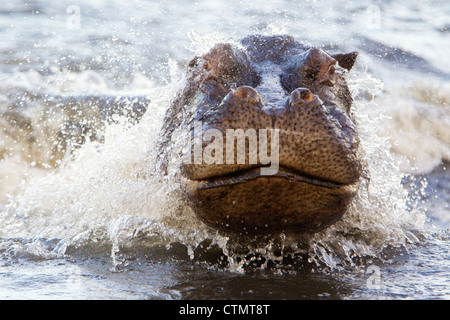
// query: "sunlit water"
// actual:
[[85, 214]]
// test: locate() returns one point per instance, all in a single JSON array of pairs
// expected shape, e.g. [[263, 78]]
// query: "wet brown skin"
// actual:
[[270, 82]]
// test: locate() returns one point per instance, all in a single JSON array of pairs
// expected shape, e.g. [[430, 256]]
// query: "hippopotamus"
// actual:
[[293, 162]]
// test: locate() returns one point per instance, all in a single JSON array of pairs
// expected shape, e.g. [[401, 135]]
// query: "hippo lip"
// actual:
[[255, 173]]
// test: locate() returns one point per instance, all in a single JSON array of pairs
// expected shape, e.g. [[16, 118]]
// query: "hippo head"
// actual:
[[273, 147]]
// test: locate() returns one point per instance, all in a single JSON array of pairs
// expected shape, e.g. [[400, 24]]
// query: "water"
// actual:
[[84, 214]]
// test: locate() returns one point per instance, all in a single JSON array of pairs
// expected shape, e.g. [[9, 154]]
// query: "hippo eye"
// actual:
[[228, 65], [310, 68], [346, 60]]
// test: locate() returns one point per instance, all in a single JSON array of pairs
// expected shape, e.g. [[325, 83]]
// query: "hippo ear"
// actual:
[[346, 60]]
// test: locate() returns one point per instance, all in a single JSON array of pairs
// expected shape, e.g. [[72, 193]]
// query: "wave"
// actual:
[[106, 193], [417, 125]]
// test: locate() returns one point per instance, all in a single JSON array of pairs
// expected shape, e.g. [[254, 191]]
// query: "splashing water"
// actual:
[[79, 182], [111, 193]]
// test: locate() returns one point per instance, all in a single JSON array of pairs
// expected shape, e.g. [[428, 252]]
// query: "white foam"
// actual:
[[417, 125], [113, 189]]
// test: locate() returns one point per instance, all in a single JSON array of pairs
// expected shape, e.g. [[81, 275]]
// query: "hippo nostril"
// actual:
[[306, 95], [300, 95], [247, 92]]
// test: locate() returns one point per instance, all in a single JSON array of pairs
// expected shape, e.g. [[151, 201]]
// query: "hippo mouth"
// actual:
[[251, 202], [256, 173]]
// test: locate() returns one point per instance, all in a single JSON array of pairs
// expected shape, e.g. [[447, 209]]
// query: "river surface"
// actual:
[[84, 214]]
